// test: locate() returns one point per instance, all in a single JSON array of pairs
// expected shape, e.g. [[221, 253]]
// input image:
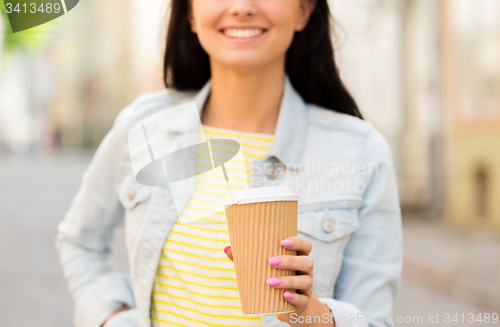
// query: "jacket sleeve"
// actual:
[[368, 282], [84, 236]]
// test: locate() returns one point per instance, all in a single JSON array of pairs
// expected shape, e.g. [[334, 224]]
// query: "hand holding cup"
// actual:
[[302, 282], [258, 220]]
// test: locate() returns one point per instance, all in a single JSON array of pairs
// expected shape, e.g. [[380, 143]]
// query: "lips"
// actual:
[[243, 33]]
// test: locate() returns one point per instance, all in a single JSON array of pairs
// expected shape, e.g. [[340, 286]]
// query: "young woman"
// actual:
[[261, 72]]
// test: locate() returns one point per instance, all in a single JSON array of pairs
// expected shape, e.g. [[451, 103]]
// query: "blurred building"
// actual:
[[90, 57], [427, 74], [389, 57], [471, 102], [106, 56], [93, 62]]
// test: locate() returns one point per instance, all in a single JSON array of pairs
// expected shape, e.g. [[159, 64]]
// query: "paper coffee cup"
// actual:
[[258, 220]]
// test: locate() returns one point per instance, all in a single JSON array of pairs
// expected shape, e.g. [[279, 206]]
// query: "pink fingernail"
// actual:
[[288, 243], [227, 248], [288, 295], [273, 281], [274, 261]]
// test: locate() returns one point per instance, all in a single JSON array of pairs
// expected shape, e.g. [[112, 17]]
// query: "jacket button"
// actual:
[[270, 167], [270, 172], [131, 194], [328, 226]]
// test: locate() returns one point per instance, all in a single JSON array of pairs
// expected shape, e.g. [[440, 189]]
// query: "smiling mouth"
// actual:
[[243, 33]]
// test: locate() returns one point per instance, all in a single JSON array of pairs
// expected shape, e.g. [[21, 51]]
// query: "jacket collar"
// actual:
[[291, 128]]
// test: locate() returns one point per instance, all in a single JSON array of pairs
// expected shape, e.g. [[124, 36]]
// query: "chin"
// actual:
[[239, 61], [244, 64]]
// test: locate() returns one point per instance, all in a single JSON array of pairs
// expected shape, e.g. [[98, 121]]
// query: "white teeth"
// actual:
[[241, 33]]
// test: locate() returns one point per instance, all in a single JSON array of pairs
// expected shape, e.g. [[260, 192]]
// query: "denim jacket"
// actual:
[[340, 166]]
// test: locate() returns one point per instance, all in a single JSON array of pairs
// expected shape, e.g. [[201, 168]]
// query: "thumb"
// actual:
[[228, 252]]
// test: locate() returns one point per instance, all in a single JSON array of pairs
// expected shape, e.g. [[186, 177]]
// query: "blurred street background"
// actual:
[[425, 72]]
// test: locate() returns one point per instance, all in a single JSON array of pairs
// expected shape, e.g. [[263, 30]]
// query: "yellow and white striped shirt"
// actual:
[[195, 284]]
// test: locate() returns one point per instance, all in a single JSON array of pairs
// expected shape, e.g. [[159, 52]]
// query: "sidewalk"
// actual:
[[465, 265]]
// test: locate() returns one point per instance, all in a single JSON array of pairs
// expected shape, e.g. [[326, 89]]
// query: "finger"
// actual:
[[229, 252], [303, 263], [302, 245], [299, 300], [302, 283]]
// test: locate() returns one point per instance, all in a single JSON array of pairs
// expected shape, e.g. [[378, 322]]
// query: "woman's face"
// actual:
[[248, 33]]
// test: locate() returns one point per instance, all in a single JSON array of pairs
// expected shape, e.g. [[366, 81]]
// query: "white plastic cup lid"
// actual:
[[260, 194]]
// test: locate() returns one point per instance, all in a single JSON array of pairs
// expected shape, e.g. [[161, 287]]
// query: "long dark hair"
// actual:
[[310, 61]]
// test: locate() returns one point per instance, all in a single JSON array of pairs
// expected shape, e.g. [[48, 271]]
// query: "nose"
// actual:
[[242, 8]]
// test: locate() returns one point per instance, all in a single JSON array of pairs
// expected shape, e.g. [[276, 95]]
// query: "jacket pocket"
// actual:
[[135, 199], [328, 226], [131, 193]]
